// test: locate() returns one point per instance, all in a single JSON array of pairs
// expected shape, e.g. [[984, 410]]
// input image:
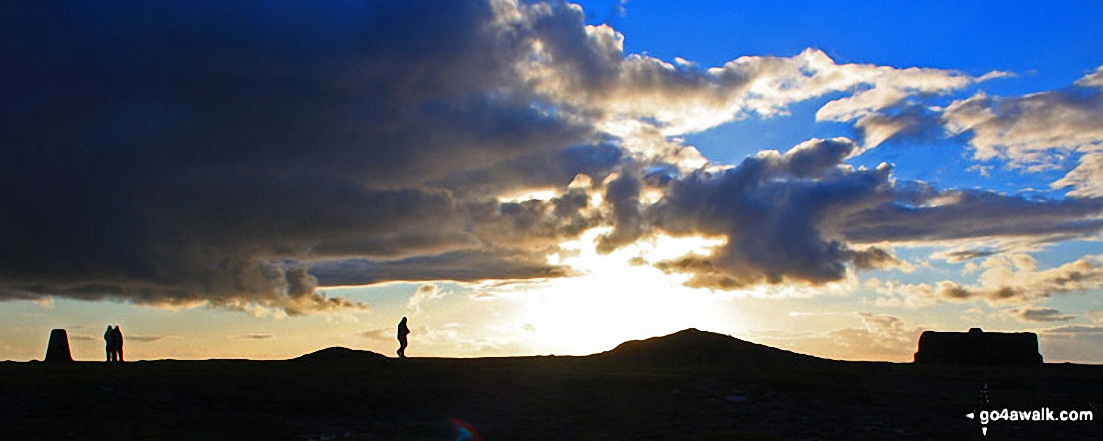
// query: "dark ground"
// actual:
[[688, 386]]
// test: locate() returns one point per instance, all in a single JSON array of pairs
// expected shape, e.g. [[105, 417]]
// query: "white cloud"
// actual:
[[424, 294], [880, 337], [1034, 132], [1094, 79], [586, 67], [1004, 278], [1039, 131], [1086, 179]]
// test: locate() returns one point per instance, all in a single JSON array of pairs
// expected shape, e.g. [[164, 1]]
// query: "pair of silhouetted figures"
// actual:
[[114, 339], [403, 331]]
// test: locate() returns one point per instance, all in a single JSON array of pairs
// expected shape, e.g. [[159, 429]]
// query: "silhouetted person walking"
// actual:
[[403, 331]]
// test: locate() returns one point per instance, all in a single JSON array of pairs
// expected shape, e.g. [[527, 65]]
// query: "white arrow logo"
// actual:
[[983, 429]]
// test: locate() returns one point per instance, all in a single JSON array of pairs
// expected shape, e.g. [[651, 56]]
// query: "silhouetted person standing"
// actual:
[[114, 338], [109, 340], [118, 344], [403, 331]]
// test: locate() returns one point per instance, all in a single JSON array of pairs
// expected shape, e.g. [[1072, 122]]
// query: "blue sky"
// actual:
[[1046, 45], [264, 181]]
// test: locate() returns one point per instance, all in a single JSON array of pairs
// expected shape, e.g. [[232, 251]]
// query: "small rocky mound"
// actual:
[[696, 346], [338, 354]]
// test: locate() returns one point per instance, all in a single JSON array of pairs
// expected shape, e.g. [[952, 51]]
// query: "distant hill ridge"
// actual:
[[686, 346], [695, 346], [337, 353]]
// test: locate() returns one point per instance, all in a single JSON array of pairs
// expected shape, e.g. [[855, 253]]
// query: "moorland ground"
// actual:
[[688, 386]]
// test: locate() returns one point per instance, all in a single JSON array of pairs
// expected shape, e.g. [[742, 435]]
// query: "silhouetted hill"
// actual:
[[693, 346], [340, 354]]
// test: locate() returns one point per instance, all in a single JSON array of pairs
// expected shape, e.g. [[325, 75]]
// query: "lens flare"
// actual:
[[464, 431]]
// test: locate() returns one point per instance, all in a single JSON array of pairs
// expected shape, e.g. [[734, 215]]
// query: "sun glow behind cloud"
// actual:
[[617, 297]]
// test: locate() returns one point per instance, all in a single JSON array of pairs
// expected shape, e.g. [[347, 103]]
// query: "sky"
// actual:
[[526, 178]]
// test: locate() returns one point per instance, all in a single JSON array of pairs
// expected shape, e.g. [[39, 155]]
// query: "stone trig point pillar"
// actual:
[[58, 349]]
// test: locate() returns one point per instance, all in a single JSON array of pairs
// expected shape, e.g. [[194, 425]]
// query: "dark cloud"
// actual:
[[970, 214], [533, 224], [963, 255], [873, 258], [465, 266], [548, 169], [200, 153], [623, 194], [1041, 315], [777, 212], [908, 121], [801, 216]]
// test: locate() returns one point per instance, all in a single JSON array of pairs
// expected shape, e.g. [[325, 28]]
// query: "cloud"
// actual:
[[45, 302], [911, 121], [1085, 180], [423, 294], [586, 67], [1074, 343], [379, 334], [460, 266], [168, 164], [924, 214], [804, 215], [1094, 79], [777, 212], [623, 194], [1006, 278], [957, 256], [1076, 330], [550, 169], [584, 70], [1032, 131], [1040, 315], [145, 338], [254, 337], [880, 337], [251, 161]]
